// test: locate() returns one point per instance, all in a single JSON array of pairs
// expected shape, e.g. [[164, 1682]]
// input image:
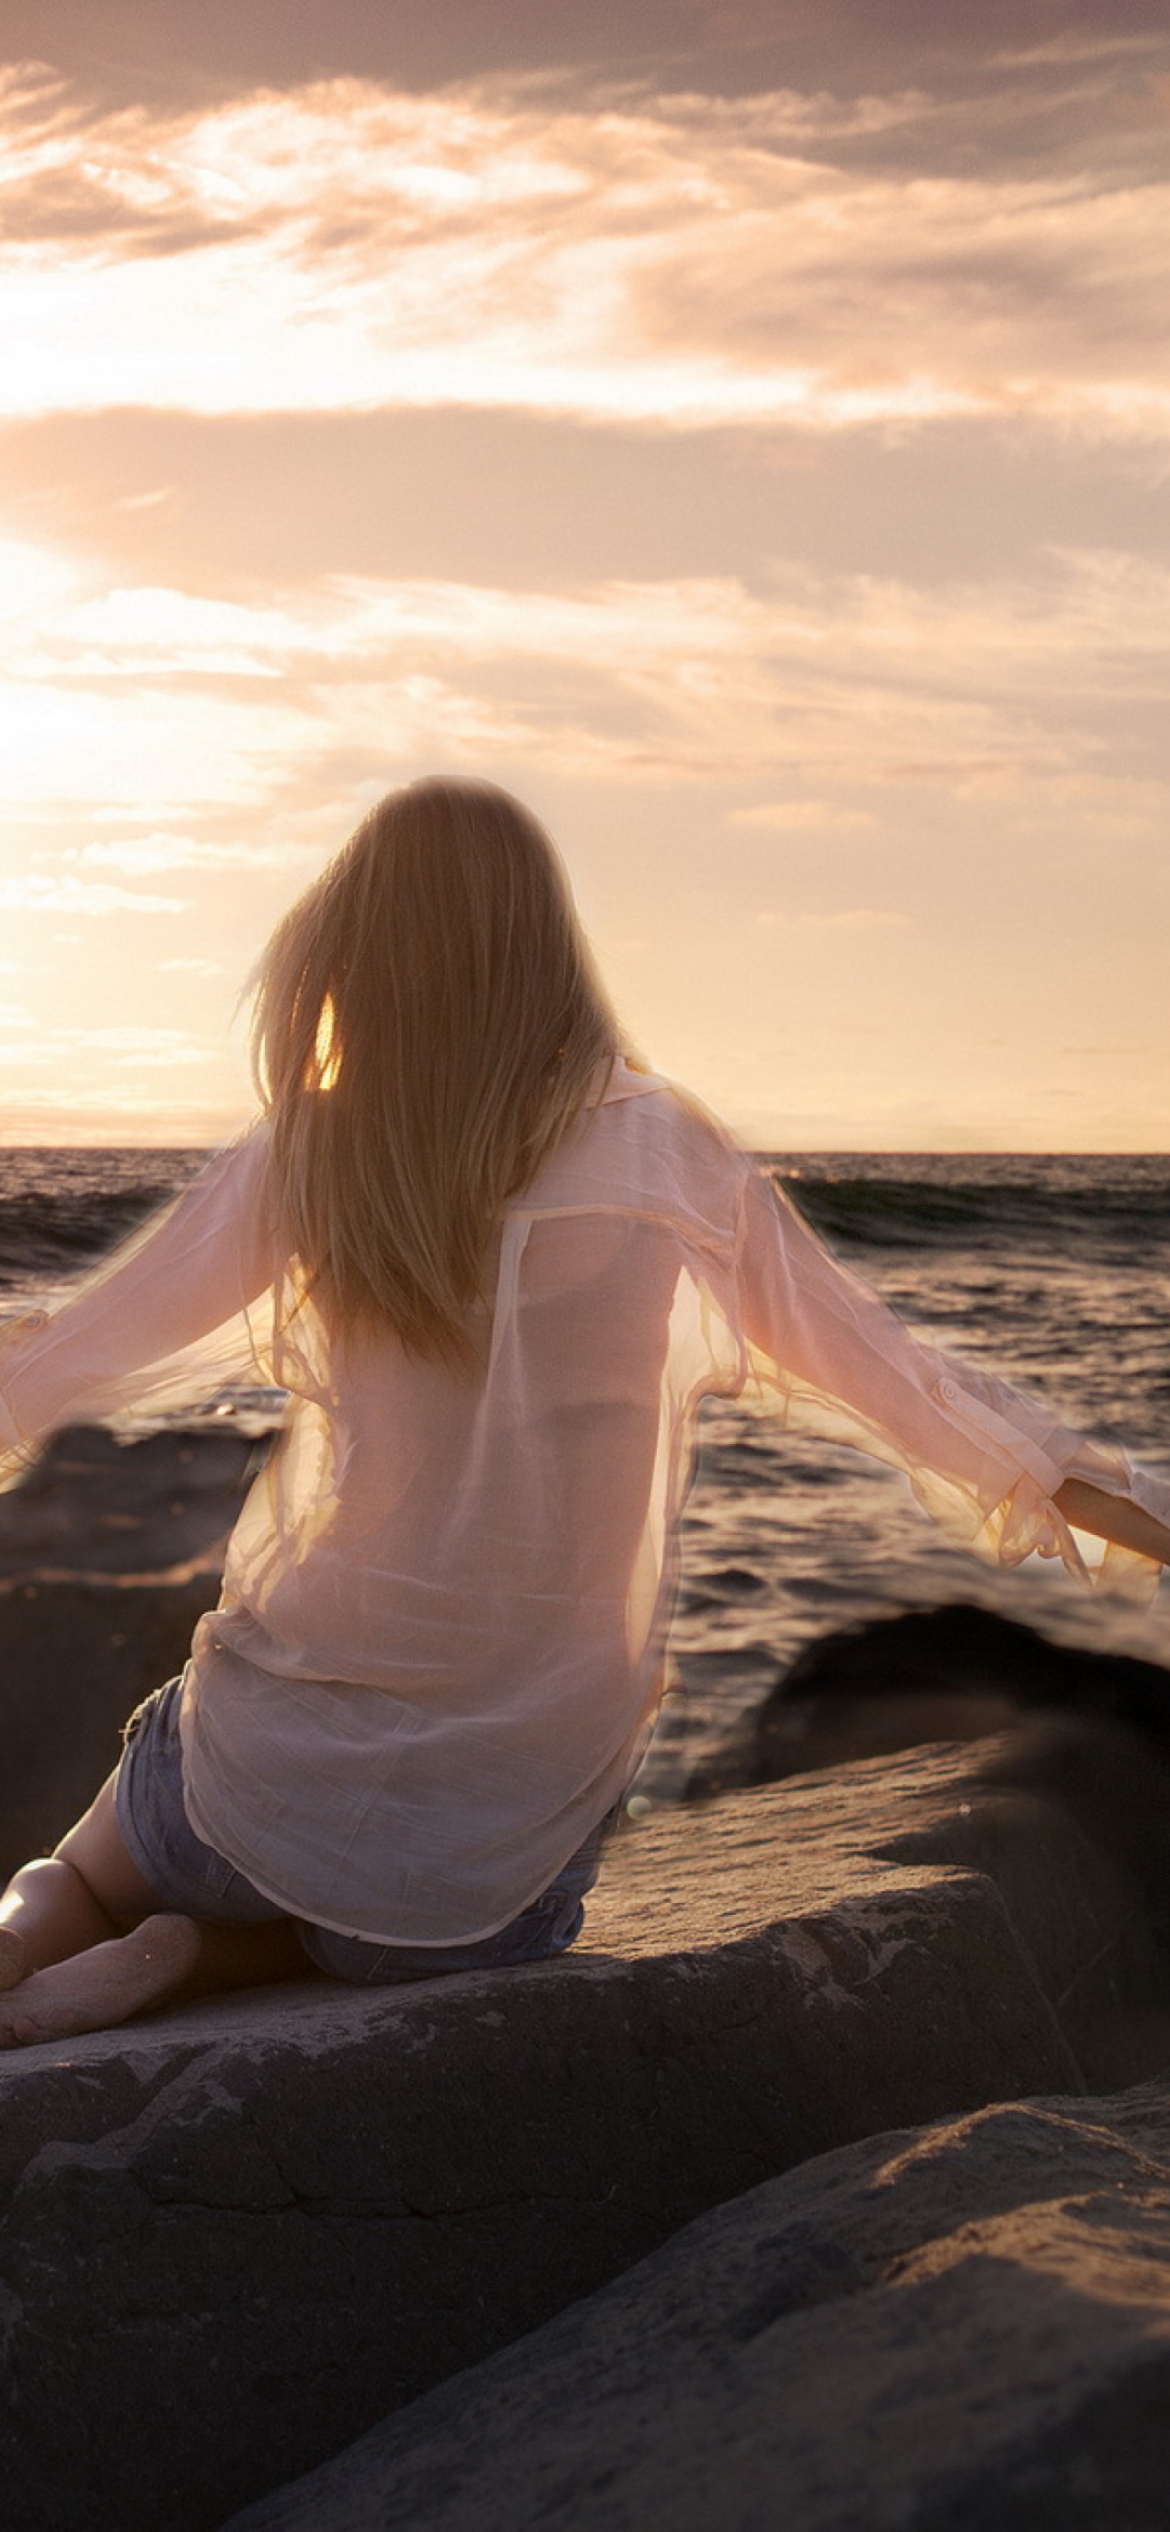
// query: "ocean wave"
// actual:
[[61, 1211], [982, 1213], [51, 1236]]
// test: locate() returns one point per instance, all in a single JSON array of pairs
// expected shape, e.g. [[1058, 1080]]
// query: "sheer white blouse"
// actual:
[[437, 1655]]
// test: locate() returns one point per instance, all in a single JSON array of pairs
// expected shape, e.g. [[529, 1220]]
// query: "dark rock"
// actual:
[[93, 1505], [237, 2235], [952, 1673], [962, 2328], [109, 1554], [75, 1658]]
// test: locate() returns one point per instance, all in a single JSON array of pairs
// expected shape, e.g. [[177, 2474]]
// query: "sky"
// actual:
[[741, 430]]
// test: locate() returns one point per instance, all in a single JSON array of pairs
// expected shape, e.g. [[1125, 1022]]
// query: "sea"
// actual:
[[1052, 1271]]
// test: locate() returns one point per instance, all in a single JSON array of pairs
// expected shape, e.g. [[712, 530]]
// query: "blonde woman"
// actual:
[[496, 1266]]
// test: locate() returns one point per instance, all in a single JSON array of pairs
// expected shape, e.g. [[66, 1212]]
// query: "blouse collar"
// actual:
[[625, 1083]]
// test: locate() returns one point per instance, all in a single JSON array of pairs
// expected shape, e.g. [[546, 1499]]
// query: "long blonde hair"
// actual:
[[428, 1024]]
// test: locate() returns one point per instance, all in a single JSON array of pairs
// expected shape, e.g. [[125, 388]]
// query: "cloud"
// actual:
[[634, 258], [127, 1043], [814, 680], [1069, 47], [140, 855], [116, 1047], [801, 815], [149, 704], [851, 919], [36, 894]]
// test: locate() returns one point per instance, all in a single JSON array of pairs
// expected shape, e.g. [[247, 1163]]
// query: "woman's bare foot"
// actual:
[[12, 1957], [95, 1989]]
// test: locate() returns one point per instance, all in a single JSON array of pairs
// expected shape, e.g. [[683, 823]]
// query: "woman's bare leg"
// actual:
[[84, 1944], [46, 1914], [88, 1890]]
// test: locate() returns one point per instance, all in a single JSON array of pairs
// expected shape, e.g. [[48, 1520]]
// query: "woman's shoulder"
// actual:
[[673, 1109], [646, 1146]]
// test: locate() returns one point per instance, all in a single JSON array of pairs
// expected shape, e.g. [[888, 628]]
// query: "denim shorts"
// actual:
[[190, 1879]]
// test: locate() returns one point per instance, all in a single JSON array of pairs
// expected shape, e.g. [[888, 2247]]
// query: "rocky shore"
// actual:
[[963, 2328], [239, 2235]]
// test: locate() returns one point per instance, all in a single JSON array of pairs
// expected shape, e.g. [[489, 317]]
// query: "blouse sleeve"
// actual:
[[981, 1458], [173, 1313]]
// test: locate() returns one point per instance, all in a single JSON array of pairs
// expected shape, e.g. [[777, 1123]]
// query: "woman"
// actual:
[[495, 1266]]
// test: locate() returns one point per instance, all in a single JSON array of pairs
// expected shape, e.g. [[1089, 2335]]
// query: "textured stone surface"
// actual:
[[240, 2234], [963, 2328]]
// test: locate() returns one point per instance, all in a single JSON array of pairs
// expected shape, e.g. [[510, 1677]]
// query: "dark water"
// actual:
[[1054, 1272], [59, 1210]]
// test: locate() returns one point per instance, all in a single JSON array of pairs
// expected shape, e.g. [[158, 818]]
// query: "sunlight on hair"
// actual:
[[326, 1052]]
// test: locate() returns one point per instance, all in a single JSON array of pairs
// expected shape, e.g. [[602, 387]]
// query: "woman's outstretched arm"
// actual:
[[1114, 1517], [996, 1468], [130, 1332]]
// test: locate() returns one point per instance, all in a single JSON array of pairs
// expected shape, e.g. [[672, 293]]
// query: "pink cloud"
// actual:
[[660, 261]]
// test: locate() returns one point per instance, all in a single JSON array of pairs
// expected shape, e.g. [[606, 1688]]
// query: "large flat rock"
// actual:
[[959, 2328], [239, 2234]]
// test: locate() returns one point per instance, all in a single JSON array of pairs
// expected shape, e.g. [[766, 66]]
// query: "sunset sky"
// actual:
[[742, 430]]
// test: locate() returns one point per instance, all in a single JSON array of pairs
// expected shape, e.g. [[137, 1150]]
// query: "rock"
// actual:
[[92, 1505], [950, 2329], [76, 1658], [953, 1673], [961, 1672], [109, 1554], [287, 2214], [239, 2234]]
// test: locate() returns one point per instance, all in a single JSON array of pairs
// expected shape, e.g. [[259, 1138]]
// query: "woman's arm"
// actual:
[[996, 1468], [165, 1318], [1105, 1516]]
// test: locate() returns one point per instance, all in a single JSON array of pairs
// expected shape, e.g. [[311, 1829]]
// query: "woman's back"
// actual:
[[441, 1599]]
